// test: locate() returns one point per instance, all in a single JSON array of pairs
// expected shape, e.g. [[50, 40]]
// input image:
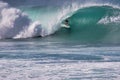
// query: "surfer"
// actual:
[[66, 22]]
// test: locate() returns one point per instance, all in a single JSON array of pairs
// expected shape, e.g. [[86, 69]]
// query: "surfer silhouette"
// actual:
[[67, 22]]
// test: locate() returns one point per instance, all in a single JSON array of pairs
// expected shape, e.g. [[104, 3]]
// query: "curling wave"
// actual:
[[97, 23], [88, 22]]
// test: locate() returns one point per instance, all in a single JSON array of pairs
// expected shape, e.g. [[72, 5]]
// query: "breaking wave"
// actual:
[[88, 22], [96, 23], [16, 24]]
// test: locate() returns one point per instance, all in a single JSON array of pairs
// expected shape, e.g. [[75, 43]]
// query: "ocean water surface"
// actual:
[[35, 46]]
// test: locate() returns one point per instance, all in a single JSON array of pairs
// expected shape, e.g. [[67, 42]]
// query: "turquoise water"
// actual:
[[34, 45], [91, 24], [94, 24]]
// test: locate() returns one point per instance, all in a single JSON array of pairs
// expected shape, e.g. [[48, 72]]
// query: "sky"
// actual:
[[53, 2]]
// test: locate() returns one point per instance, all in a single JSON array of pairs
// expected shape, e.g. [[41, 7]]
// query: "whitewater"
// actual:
[[35, 46], [26, 23]]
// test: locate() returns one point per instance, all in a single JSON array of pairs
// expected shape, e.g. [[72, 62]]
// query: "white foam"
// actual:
[[33, 30], [112, 19], [33, 70], [16, 24]]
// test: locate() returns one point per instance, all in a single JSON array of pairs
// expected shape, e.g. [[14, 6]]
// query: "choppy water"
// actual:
[[38, 59], [34, 45]]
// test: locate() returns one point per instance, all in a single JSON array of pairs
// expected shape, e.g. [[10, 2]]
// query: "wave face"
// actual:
[[99, 23], [89, 22]]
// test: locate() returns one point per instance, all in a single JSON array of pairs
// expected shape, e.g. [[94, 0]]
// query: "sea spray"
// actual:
[[14, 22]]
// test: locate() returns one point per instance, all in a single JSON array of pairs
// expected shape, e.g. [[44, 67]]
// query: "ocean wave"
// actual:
[[95, 23], [14, 22], [88, 22]]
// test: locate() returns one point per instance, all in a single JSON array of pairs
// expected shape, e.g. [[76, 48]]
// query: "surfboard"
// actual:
[[65, 26]]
